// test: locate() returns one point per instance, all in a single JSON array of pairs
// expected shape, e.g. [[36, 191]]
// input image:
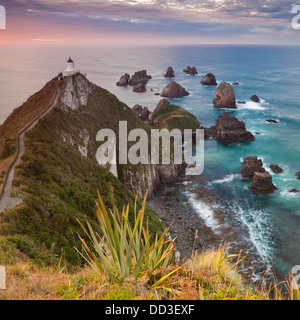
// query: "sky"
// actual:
[[148, 22]]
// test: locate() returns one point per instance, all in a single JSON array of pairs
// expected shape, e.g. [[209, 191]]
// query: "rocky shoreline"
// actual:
[[172, 204]]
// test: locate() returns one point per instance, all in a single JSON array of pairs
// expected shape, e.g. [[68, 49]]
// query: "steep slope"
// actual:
[[59, 176], [18, 121]]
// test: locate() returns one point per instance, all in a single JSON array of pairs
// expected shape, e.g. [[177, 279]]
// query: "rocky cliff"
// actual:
[[59, 175]]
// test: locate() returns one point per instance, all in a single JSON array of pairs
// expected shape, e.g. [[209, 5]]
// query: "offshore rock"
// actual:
[[142, 112], [169, 73], [209, 80], [276, 169], [224, 96], [139, 88], [174, 90], [139, 77], [230, 129], [255, 98], [123, 80], [251, 165], [190, 70], [262, 183]]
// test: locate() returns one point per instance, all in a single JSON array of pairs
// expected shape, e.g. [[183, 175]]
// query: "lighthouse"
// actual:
[[70, 69]]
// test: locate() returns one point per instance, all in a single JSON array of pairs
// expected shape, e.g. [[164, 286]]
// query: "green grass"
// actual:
[[60, 185], [173, 117]]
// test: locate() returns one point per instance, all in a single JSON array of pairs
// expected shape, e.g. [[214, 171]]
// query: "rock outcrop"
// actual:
[[190, 70], [139, 88], [224, 96], [297, 174], [123, 80], [251, 165], [209, 80], [255, 98], [262, 183], [139, 77], [294, 191], [276, 169], [229, 129], [169, 116], [272, 121], [174, 90], [169, 73], [142, 112]]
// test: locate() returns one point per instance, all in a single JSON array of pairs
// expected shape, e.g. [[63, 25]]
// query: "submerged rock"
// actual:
[[174, 90], [209, 80], [170, 73], [224, 96], [294, 191], [262, 183], [251, 165]]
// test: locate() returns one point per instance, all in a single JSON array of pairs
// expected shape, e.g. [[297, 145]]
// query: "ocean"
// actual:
[[270, 224]]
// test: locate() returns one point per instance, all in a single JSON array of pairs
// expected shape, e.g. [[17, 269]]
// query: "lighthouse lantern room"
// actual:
[[70, 69]]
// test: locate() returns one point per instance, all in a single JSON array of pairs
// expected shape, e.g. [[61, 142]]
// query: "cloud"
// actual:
[[220, 18]]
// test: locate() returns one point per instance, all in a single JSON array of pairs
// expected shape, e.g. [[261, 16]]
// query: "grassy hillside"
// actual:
[[59, 184], [19, 120], [169, 116]]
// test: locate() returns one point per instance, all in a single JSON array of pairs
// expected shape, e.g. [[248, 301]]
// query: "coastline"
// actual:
[[206, 227]]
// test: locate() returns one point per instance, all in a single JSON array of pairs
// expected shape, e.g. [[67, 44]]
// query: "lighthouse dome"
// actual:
[[70, 68], [70, 65]]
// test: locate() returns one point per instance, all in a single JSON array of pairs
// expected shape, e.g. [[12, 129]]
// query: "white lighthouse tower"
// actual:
[[70, 69]]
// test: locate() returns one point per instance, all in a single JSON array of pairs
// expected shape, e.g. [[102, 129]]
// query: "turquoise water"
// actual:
[[270, 223]]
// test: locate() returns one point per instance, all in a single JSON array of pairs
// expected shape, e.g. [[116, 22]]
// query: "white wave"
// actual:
[[259, 228], [228, 178], [252, 105], [205, 212], [288, 195]]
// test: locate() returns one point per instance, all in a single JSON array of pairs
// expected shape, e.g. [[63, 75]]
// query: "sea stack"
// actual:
[[209, 80], [174, 90], [251, 165], [190, 70], [255, 98], [170, 73], [262, 183], [224, 96], [230, 129], [123, 80], [276, 169], [142, 112], [139, 77], [139, 88]]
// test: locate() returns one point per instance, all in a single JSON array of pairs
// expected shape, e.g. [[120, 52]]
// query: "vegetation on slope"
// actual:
[[60, 185], [170, 116], [210, 275]]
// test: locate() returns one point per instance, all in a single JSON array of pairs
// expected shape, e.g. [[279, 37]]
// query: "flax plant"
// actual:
[[124, 250]]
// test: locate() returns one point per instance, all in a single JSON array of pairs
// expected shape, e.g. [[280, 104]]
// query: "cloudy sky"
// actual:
[[149, 22]]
